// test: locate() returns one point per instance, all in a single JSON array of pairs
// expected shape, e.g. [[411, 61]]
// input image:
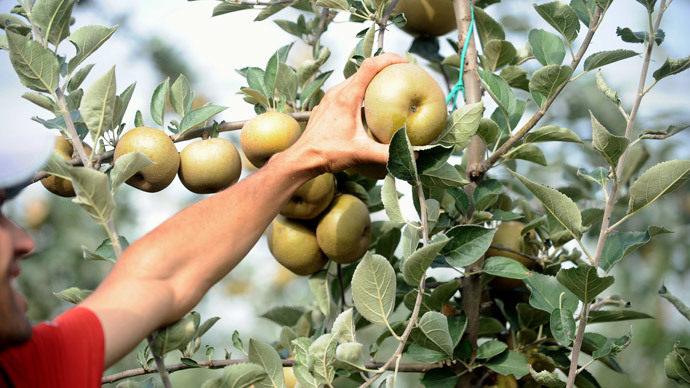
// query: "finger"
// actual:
[[370, 67]]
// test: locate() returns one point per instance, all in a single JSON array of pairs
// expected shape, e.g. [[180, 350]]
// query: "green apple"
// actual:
[[509, 235], [209, 166], [61, 186], [294, 246], [404, 94], [267, 134], [427, 17], [158, 147], [311, 198], [344, 231]]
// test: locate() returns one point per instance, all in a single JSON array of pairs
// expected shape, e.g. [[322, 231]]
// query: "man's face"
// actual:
[[14, 244]]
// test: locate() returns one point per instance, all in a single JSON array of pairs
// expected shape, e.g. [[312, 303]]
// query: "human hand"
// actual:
[[335, 129]]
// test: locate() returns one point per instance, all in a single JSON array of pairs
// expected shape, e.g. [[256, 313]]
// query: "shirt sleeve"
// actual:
[[67, 352]]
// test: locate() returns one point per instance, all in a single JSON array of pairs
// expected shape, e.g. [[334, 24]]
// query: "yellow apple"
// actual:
[[158, 147], [294, 246], [61, 186], [209, 166], [344, 231], [290, 379], [427, 17], [267, 134], [311, 198], [405, 94]]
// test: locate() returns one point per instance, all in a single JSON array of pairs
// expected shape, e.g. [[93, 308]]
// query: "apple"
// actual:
[[209, 166], [508, 235], [290, 379], [404, 94], [344, 231], [158, 147], [267, 134], [311, 198], [427, 17], [61, 186], [294, 246]]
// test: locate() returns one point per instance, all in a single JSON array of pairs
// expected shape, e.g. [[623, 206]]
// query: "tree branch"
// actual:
[[384, 21], [496, 156], [217, 364]]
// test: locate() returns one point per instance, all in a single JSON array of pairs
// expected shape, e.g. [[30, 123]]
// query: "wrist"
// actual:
[[299, 163]]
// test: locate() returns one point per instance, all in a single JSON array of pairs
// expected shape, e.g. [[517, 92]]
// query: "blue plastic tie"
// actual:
[[460, 86]]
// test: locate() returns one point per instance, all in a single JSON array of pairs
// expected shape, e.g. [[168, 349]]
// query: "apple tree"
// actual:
[[495, 279]]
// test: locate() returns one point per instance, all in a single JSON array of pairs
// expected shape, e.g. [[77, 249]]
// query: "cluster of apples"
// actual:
[[204, 167]]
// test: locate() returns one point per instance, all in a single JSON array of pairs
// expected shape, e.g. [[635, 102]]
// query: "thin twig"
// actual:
[[502, 248], [496, 156], [577, 345], [384, 22], [323, 22], [217, 364]]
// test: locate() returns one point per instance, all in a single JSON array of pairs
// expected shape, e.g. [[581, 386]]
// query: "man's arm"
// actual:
[[165, 274]]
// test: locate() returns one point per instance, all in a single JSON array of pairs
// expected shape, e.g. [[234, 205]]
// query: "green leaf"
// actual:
[[561, 17], [598, 176], [487, 28], [401, 161], [105, 251], [608, 92], [267, 357], [307, 69], [546, 378], [548, 79], [548, 48], [174, 336], [677, 303], [627, 35], [610, 146], [584, 282], [286, 81], [242, 375], [181, 95], [552, 133], [604, 58], [516, 77], [223, 8], [344, 328], [443, 177], [73, 295], [340, 5], [498, 53], [486, 193], [284, 315], [563, 326], [439, 378], [87, 40], [158, 99], [314, 85], [36, 66], [461, 125], [429, 159], [562, 208], [500, 91], [350, 353], [432, 333], [546, 293], [420, 353], [509, 363], [598, 316], [98, 105], [410, 239], [528, 152], [656, 182], [649, 4], [389, 197], [373, 288], [663, 134], [79, 77], [323, 351], [612, 347], [671, 67], [677, 365], [468, 243], [490, 348], [621, 244], [530, 317], [198, 117], [303, 360], [41, 100], [320, 288], [505, 267], [53, 16], [416, 265], [584, 9]]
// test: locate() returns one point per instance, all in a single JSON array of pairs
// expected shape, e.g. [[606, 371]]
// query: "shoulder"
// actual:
[[67, 351]]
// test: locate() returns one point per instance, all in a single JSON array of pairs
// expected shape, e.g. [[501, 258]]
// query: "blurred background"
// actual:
[[164, 38]]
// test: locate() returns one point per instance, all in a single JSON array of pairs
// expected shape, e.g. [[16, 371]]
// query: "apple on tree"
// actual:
[[405, 94], [311, 198], [344, 230], [55, 184], [294, 245], [427, 17], [267, 134], [158, 147], [209, 166]]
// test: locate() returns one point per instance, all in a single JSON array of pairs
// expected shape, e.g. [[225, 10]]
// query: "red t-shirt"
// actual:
[[67, 352]]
